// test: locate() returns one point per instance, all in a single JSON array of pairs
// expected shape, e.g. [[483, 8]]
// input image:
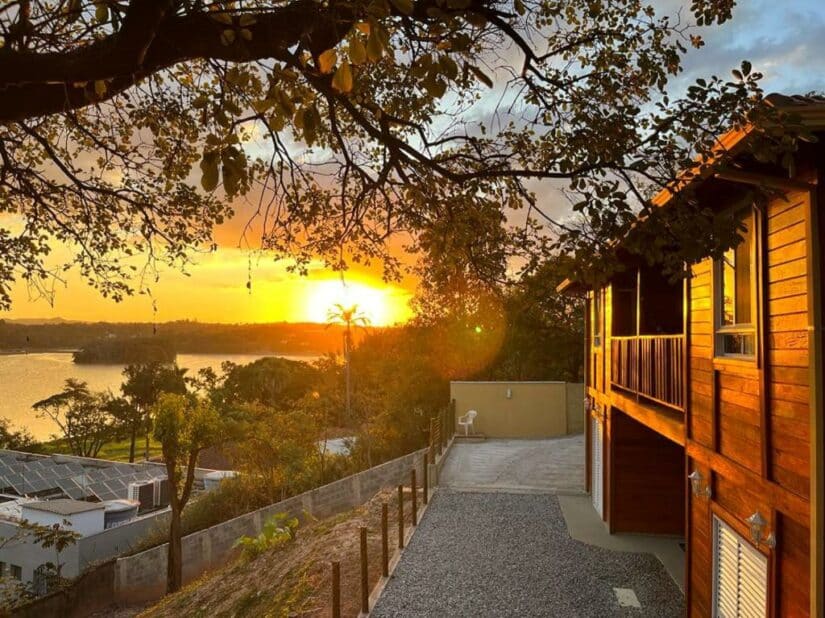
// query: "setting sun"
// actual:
[[381, 306]]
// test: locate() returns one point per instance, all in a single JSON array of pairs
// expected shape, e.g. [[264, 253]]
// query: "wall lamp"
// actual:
[[698, 485], [757, 524]]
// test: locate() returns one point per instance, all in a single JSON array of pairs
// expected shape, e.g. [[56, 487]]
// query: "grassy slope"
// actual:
[[294, 580], [115, 451]]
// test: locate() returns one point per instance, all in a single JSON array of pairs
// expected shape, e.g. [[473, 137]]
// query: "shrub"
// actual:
[[277, 531]]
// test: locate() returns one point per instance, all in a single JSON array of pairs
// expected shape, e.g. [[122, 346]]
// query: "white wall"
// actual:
[[85, 523]]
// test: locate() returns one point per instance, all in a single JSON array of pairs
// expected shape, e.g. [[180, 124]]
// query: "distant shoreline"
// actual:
[[18, 352], [13, 351]]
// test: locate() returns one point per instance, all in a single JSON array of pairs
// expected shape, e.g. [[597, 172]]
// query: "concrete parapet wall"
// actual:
[[521, 409]]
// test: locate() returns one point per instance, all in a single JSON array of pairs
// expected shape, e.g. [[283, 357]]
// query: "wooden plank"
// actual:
[[778, 207], [790, 358], [786, 236], [667, 422], [789, 392], [788, 502], [788, 287], [789, 375], [787, 270], [790, 429], [791, 321], [791, 409], [780, 218], [788, 340], [792, 251], [790, 304]]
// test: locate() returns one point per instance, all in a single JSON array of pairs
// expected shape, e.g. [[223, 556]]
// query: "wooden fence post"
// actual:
[[365, 584], [336, 589], [425, 478], [400, 517], [385, 546], [414, 490]]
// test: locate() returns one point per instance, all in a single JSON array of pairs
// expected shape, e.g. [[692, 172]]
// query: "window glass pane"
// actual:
[[739, 343], [597, 317], [736, 276], [728, 288], [743, 273]]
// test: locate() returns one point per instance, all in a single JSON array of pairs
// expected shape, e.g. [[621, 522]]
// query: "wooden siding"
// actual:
[[648, 479], [748, 422]]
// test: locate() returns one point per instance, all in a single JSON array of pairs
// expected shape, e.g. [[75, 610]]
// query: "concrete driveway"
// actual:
[[554, 465]]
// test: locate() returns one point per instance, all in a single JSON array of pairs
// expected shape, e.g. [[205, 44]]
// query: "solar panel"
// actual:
[[71, 489]]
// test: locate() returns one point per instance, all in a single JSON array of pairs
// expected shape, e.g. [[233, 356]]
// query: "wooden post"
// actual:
[[431, 451], [400, 517], [336, 589], [365, 584], [385, 545], [414, 490], [425, 478]]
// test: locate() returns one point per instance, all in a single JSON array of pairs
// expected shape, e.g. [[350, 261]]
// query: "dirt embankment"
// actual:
[[296, 579]]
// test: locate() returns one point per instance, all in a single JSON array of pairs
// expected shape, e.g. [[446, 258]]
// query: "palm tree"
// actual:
[[349, 317]]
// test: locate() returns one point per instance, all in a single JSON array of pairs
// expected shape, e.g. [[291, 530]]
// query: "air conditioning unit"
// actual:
[[161, 492], [144, 493]]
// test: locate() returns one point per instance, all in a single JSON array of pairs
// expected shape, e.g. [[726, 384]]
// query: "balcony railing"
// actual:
[[650, 366]]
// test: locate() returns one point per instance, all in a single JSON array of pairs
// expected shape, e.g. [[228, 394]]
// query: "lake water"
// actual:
[[27, 378]]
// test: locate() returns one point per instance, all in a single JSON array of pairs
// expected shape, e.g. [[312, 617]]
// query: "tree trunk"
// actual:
[[148, 431], [132, 444], [174, 563]]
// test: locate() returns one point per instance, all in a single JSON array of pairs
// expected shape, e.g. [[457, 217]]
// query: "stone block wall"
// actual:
[[142, 577]]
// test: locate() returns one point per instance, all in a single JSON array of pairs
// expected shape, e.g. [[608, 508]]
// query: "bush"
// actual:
[[277, 531]]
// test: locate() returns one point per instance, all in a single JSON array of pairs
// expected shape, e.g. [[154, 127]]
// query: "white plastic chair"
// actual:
[[466, 421]]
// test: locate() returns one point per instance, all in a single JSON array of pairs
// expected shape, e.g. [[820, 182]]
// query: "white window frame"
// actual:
[[720, 330]]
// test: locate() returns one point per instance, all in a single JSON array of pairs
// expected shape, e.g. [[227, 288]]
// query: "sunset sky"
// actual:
[[783, 40]]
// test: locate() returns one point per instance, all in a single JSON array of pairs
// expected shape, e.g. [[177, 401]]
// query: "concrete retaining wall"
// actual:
[[142, 577], [521, 409]]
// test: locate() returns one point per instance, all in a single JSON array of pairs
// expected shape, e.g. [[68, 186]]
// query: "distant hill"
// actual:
[[183, 337]]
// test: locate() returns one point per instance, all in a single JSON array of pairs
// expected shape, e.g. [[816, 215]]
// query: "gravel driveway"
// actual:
[[500, 554]]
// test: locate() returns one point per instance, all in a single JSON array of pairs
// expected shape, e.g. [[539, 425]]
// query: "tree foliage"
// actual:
[[130, 127], [81, 416], [184, 425]]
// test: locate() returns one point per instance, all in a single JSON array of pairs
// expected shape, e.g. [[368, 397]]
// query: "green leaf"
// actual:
[[519, 6], [403, 6], [209, 170], [246, 34], [100, 88], [227, 37], [357, 51], [342, 80], [221, 18], [247, 20], [374, 48], [101, 12], [327, 60]]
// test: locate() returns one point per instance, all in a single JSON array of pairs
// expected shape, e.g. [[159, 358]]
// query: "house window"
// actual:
[[740, 575], [16, 572], [597, 318], [736, 274], [2, 569]]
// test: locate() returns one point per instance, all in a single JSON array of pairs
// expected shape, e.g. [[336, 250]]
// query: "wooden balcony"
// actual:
[[650, 366]]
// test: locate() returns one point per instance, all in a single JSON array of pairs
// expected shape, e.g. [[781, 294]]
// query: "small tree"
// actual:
[[184, 425], [81, 416], [56, 536], [14, 439], [142, 386]]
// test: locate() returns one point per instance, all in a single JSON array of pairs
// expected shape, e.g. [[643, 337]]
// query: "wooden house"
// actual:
[[705, 397]]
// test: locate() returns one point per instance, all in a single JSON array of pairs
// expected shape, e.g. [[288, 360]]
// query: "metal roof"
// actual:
[[64, 506]]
